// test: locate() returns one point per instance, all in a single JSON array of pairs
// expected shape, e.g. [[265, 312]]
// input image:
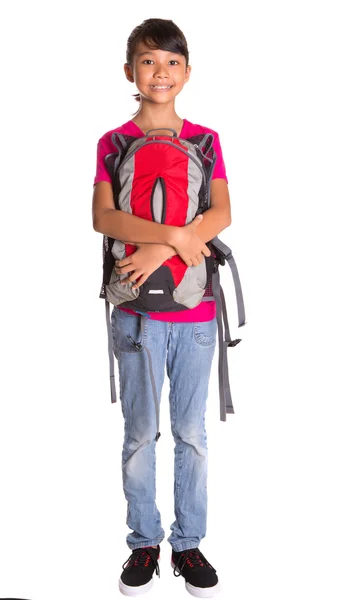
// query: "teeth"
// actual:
[[160, 87]]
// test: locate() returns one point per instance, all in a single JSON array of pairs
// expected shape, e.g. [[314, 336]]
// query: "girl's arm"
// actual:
[[188, 241], [218, 216], [167, 251]]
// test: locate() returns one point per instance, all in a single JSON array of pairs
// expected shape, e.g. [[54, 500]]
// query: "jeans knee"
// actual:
[[138, 456], [139, 440], [191, 437]]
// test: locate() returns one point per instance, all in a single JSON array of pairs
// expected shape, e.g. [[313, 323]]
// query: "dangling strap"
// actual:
[[238, 289], [140, 346], [150, 365], [227, 254], [110, 352], [224, 340]]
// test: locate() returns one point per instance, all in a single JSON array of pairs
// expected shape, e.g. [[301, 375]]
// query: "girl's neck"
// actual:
[[153, 116]]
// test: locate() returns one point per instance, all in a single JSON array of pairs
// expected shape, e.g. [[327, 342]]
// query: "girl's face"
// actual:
[[158, 75]]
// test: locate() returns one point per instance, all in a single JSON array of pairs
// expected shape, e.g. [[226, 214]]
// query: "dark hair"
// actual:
[[157, 34]]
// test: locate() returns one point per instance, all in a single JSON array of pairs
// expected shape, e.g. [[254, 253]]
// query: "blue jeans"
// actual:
[[187, 350]]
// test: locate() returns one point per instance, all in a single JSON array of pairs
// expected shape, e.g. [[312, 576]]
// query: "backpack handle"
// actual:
[[161, 129]]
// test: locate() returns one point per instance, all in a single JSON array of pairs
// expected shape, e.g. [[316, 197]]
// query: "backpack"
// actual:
[[167, 179]]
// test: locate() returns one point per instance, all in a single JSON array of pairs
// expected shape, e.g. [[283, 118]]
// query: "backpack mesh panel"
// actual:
[[208, 289], [211, 267], [208, 162], [108, 263], [108, 242]]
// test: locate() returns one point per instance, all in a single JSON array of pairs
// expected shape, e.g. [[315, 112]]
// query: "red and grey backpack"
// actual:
[[167, 179]]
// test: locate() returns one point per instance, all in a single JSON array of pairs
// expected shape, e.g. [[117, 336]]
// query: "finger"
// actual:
[[126, 279], [123, 262], [122, 270], [206, 251], [140, 281], [132, 277]]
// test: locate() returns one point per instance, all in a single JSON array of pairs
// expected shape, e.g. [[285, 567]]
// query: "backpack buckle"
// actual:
[[233, 343], [136, 345]]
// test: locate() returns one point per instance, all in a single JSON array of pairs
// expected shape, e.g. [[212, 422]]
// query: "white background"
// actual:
[[266, 76]]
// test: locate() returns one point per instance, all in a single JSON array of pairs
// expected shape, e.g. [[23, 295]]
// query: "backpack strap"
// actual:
[[113, 160], [119, 141], [110, 352], [206, 143], [224, 336], [225, 253], [139, 347], [144, 317], [224, 340]]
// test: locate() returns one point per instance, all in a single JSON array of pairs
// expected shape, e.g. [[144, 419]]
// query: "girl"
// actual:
[[157, 62]]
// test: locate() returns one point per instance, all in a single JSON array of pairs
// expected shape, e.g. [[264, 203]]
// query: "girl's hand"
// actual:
[[188, 245], [143, 262]]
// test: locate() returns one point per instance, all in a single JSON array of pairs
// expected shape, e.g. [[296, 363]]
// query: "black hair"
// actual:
[[157, 34]]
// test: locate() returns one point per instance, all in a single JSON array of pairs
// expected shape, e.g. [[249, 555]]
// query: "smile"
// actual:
[[161, 88]]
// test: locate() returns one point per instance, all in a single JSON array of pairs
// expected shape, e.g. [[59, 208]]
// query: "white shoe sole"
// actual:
[[201, 592], [130, 590]]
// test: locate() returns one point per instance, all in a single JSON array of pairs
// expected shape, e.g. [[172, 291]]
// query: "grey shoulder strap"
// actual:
[[110, 352], [224, 341], [226, 252], [224, 336]]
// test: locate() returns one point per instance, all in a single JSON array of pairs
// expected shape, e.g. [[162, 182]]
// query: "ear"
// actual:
[[128, 72], [188, 73]]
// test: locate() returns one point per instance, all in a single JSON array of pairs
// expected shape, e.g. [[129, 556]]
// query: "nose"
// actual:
[[161, 71]]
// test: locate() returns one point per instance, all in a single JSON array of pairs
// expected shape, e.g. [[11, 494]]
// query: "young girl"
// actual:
[[184, 341]]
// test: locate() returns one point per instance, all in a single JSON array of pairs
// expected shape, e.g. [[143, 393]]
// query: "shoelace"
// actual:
[[193, 558], [141, 559]]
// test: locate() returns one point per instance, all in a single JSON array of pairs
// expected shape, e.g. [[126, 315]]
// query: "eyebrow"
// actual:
[[151, 52]]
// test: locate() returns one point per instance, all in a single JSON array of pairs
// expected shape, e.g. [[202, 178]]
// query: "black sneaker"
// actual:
[[200, 576], [138, 570]]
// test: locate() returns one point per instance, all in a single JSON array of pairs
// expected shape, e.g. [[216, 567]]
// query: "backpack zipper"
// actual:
[[159, 181]]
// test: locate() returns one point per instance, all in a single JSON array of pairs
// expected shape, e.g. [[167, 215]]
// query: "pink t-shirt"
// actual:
[[205, 311]]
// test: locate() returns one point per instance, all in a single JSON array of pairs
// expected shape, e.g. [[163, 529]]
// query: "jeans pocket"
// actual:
[[205, 332], [123, 325]]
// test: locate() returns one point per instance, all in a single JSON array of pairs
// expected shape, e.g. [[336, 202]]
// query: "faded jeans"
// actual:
[[187, 350]]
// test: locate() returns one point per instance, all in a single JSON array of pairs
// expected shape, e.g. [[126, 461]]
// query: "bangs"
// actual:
[[165, 42]]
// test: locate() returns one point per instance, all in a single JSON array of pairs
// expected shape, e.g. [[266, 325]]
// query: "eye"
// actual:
[[149, 61]]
